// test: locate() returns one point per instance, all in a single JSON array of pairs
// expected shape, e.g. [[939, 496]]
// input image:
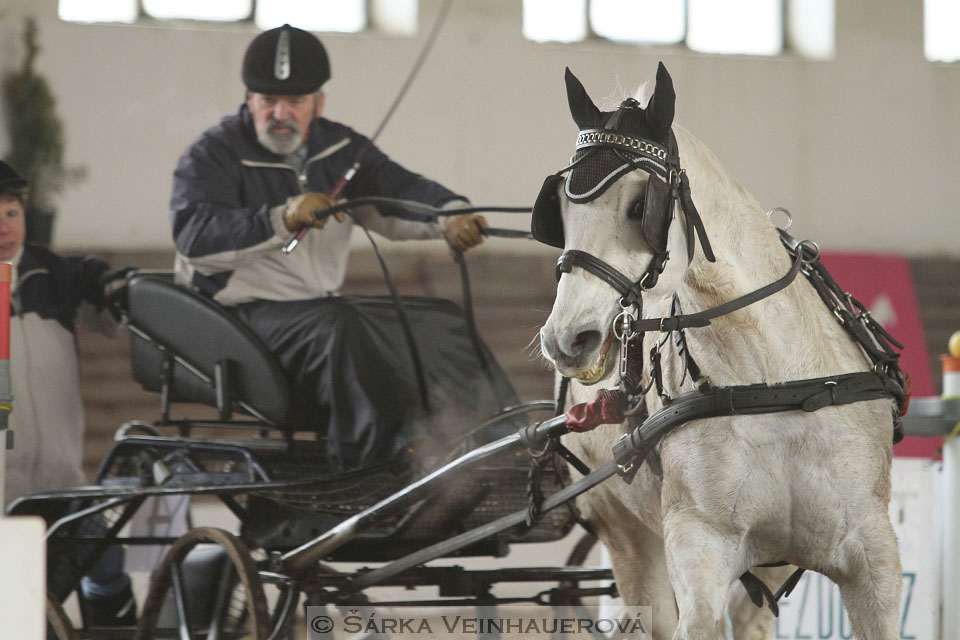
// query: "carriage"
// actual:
[[261, 458], [728, 393]]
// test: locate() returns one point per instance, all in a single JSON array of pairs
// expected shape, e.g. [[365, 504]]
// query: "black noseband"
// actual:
[[631, 291]]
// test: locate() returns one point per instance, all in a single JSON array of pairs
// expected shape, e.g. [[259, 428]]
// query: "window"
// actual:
[[555, 20], [811, 25], [646, 21], [220, 10], [318, 15], [735, 26], [757, 27], [390, 16], [941, 24], [103, 11]]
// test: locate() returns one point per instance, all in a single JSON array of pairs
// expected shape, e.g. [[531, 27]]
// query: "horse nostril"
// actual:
[[587, 341], [583, 342]]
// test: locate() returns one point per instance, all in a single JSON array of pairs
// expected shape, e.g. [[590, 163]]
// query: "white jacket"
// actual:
[[47, 416]]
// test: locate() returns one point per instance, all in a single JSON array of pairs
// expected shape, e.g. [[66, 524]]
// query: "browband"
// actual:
[[606, 138]]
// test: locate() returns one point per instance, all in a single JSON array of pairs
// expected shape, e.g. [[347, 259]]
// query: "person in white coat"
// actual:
[[47, 295]]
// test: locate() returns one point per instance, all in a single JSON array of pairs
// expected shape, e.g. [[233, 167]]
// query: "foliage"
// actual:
[[34, 129]]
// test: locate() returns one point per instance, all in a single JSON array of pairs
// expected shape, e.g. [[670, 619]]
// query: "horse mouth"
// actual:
[[601, 366]]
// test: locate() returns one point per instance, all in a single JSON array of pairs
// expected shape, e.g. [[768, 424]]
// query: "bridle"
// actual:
[[667, 185]]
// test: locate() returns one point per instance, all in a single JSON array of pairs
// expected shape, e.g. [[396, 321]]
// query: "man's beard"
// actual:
[[281, 144]]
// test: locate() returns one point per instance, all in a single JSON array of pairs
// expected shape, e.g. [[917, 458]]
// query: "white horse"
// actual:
[[738, 491]]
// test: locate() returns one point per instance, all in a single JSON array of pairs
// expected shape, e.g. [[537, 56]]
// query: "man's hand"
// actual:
[[463, 232], [302, 210]]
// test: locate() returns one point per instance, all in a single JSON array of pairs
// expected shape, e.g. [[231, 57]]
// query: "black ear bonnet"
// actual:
[[612, 144]]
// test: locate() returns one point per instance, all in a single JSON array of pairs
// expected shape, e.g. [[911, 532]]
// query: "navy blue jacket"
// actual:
[[227, 203]]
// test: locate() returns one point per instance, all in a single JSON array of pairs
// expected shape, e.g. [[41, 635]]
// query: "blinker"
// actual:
[[546, 224], [657, 203]]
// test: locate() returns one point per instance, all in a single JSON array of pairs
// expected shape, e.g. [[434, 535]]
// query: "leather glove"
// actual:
[[302, 210], [463, 232]]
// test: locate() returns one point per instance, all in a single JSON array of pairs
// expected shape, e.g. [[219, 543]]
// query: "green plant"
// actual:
[[34, 129]]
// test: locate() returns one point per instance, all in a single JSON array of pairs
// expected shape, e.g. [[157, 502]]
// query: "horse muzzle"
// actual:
[[583, 354]]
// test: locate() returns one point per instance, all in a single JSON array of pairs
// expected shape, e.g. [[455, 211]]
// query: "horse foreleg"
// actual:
[[638, 561], [870, 578], [751, 622], [640, 570], [702, 563]]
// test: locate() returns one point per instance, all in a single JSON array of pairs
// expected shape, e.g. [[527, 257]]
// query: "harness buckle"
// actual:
[[674, 177], [831, 386], [620, 448]]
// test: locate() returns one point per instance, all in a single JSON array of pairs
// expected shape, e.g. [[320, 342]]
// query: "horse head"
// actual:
[[611, 211]]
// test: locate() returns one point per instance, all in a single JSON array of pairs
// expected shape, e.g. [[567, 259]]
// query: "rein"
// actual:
[[630, 292], [358, 159], [884, 380]]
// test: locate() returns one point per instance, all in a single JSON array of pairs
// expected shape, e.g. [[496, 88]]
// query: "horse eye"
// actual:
[[635, 212]]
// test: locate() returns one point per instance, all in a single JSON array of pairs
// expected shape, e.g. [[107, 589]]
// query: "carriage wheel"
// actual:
[[576, 558], [578, 555], [58, 623], [250, 619]]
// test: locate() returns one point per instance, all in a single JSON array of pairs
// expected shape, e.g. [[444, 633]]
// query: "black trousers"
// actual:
[[349, 357]]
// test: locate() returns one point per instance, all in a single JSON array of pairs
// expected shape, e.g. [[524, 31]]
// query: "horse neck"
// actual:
[[789, 335]]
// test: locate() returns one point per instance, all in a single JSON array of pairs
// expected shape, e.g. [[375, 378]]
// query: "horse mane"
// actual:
[[644, 92], [730, 213], [751, 255]]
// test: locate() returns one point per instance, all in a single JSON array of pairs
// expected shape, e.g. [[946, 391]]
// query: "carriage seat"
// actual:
[[190, 349]]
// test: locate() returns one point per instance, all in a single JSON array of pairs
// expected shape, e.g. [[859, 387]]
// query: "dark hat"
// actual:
[[10, 179], [285, 61]]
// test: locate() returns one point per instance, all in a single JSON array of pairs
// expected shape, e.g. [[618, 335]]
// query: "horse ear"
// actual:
[[584, 112], [660, 109]]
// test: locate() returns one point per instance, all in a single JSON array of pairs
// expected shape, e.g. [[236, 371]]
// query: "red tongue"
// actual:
[[606, 408]]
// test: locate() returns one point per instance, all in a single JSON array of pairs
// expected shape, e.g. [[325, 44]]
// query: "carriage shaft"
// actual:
[[306, 556]]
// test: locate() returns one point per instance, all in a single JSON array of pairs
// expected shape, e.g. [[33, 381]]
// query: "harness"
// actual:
[[595, 168]]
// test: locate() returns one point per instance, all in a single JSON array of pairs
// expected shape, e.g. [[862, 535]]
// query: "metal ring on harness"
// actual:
[[814, 249], [785, 212]]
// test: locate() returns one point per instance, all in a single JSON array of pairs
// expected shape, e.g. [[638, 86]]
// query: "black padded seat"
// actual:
[[166, 318]]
